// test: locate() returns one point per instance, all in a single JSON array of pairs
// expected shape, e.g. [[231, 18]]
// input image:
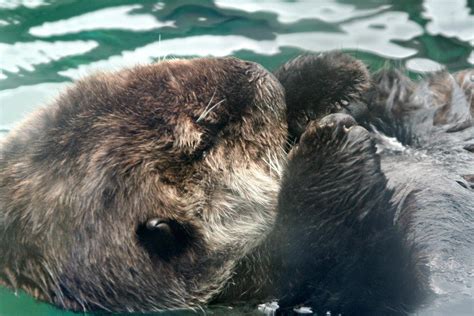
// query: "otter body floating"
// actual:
[[184, 183]]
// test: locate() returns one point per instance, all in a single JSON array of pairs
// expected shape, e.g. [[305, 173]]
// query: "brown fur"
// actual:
[[168, 186], [80, 178]]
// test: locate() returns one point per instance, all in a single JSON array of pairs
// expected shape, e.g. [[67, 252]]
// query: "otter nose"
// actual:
[[157, 224], [163, 238]]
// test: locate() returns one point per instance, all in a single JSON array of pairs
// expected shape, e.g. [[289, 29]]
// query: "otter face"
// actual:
[[141, 189]]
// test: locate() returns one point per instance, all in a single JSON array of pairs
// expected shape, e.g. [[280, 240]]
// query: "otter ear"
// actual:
[[316, 85]]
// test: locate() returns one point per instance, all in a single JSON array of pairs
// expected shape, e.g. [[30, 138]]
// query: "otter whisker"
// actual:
[[206, 112], [209, 103], [59, 292], [267, 163], [10, 277], [274, 164], [161, 58]]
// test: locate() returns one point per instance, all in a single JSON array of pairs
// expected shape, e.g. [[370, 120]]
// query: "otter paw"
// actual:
[[335, 140], [329, 131], [339, 121], [317, 85]]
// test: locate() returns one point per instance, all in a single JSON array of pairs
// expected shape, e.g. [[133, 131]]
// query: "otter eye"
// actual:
[[162, 238]]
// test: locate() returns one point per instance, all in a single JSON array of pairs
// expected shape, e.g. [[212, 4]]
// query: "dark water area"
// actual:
[[45, 45]]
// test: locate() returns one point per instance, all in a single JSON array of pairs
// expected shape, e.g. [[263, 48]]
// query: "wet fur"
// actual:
[[420, 196], [202, 143], [80, 178]]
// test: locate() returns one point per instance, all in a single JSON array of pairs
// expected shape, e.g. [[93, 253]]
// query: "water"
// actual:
[[44, 45]]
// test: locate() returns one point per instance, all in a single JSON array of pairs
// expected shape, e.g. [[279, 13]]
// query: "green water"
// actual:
[[44, 45]]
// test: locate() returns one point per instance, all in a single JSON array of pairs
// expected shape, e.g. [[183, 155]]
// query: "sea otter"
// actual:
[[187, 182]]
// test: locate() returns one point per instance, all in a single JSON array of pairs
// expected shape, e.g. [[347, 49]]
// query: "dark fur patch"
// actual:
[[319, 85]]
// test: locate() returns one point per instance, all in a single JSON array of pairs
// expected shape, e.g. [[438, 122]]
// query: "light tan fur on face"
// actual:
[[188, 137]]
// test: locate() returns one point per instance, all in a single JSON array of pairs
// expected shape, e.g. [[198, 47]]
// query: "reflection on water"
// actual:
[[44, 44], [26, 55], [290, 12], [110, 18], [358, 34], [423, 65], [16, 103], [449, 18], [12, 4], [56, 41]]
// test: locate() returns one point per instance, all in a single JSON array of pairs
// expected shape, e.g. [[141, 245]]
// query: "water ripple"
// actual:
[[357, 35], [12, 4], [449, 18], [290, 12], [25, 56], [109, 18]]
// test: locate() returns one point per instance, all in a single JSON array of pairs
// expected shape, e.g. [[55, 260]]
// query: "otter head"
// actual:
[[140, 190]]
